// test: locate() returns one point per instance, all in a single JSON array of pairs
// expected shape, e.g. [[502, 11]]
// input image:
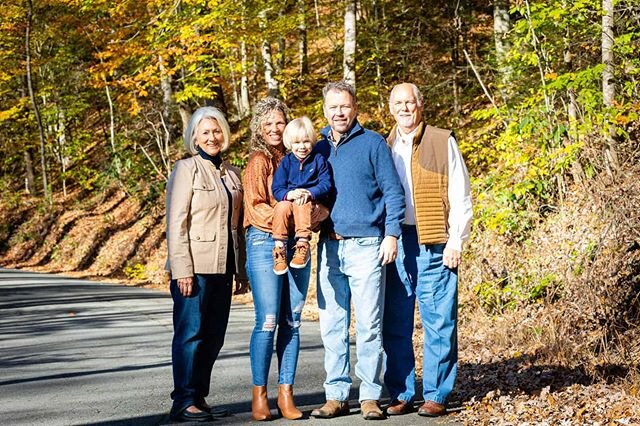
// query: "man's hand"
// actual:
[[388, 250], [451, 258], [185, 285], [242, 286]]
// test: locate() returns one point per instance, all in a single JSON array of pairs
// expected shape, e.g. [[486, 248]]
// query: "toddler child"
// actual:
[[301, 182]]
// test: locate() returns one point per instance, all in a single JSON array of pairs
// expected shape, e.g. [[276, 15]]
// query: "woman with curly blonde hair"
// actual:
[[278, 299]]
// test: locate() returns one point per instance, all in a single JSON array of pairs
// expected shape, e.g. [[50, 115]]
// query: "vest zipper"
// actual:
[[414, 150]]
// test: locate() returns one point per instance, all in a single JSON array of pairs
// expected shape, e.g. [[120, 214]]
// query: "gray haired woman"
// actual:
[[205, 246]]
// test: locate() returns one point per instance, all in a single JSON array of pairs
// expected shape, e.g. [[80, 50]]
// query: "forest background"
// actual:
[[542, 95]]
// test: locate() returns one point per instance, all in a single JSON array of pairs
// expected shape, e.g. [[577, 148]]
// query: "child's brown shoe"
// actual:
[[280, 260], [301, 255]]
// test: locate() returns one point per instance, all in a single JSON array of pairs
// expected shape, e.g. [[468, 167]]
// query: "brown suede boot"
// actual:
[[286, 405], [259, 404]]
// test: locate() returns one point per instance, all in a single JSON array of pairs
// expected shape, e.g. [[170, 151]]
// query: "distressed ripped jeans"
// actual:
[[278, 302]]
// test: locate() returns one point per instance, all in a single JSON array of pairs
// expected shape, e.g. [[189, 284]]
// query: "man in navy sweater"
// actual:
[[361, 238]]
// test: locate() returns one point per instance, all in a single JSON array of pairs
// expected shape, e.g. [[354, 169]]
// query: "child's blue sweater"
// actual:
[[311, 174]]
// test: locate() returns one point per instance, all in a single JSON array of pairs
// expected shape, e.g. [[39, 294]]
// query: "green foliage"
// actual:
[[503, 294]]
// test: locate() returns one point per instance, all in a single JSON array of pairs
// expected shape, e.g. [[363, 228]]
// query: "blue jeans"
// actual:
[[278, 302], [199, 325], [419, 273], [349, 271]]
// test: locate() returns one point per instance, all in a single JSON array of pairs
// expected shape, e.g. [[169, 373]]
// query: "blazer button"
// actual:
[[198, 238]]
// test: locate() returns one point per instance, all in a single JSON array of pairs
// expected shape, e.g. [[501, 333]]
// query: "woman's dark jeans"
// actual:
[[199, 325]]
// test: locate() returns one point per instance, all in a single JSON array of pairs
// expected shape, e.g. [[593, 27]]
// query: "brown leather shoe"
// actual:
[[280, 260], [300, 255], [370, 410], [399, 407], [432, 409], [259, 404], [286, 406], [331, 409]]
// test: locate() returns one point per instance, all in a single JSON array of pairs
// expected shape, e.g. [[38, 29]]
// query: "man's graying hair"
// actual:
[[416, 93], [338, 86], [260, 111]]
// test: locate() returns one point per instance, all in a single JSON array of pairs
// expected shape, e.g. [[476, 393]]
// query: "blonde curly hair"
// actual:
[[260, 112]]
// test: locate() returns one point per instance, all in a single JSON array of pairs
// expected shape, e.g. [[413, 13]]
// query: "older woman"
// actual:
[[278, 299], [205, 250]]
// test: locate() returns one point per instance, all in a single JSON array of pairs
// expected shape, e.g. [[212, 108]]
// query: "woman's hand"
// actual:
[[185, 285], [242, 286]]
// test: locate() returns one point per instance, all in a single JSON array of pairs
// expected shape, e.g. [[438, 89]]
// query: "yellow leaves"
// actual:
[[10, 113], [551, 76]]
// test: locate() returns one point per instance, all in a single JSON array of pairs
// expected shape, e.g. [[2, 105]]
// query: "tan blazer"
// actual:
[[197, 212]]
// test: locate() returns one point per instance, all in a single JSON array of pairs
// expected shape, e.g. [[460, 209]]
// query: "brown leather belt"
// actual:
[[335, 236]]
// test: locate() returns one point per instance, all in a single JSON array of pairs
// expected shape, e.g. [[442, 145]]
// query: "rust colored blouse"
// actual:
[[258, 197]]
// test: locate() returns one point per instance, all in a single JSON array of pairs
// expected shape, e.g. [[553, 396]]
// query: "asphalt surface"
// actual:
[[80, 352]]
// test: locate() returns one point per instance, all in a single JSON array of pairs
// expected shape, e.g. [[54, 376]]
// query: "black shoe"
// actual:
[[215, 412], [188, 416]]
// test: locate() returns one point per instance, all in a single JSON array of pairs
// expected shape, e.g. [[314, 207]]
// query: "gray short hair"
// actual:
[[204, 113], [416, 93], [339, 86], [299, 129], [260, 111]]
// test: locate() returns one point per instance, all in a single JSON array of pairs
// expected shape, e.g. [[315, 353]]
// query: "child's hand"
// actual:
[[305, 197], [294, 195]]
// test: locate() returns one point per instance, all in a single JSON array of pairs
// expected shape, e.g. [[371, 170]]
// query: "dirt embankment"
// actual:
[[105, 234]]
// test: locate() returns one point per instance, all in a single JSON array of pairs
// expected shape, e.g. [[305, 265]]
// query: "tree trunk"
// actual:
[[36, 110], [244, 83], [168, 105], [608, 83], [219, 101], [456, 25], [61, 132], [608, 86], [282, 47], [315, 6], [29, 179], [272, 83], [302, 34], [349, 62], [267, 60], [376, 44], [112, 127], [185, 116], [244, 106], [501, 26]]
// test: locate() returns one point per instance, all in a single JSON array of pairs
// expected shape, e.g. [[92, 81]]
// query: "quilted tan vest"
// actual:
[[430, 175]]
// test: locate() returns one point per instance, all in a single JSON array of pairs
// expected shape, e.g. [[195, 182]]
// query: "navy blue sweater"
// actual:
[[369, 199], [311, 174]]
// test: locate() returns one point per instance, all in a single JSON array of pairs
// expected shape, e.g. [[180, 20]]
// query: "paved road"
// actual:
[[80, 352]]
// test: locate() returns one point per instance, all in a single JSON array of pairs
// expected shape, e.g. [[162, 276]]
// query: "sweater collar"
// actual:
[[355, 130], [216, 159]]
